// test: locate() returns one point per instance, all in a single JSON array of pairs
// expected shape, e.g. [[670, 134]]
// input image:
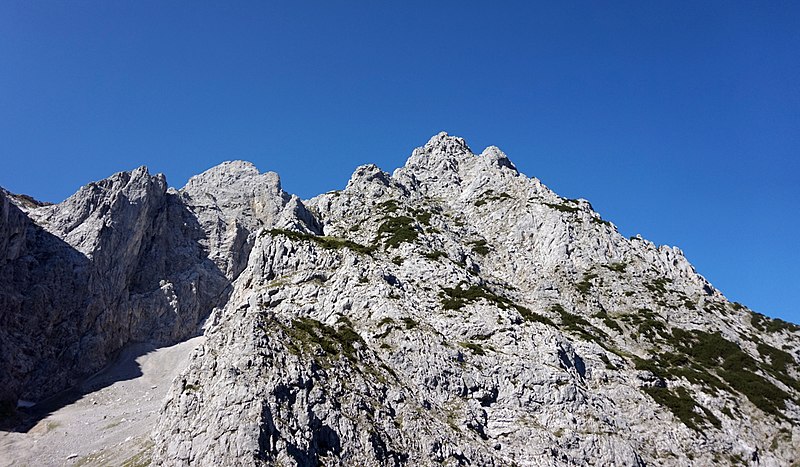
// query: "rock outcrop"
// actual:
[[458, 312], [122, 260], [455, 312]]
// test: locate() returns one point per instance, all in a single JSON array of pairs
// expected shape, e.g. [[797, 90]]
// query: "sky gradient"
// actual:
[[676, 120]]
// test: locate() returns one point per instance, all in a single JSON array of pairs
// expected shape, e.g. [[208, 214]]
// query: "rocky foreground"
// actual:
[[455, 312]]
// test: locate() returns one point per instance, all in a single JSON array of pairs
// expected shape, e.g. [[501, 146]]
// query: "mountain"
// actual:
[[455, 312]]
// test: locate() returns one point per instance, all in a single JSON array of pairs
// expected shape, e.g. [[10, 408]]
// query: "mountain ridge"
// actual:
[[452, 312]]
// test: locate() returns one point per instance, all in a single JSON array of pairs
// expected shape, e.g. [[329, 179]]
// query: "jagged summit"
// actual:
[[24, 202], [454, 312], [368, 174], [498, 158], [230, 172], [446, 144]]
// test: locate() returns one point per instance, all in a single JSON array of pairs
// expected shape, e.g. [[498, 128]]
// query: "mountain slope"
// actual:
[[454, 312], [458, 312], [122, 260]]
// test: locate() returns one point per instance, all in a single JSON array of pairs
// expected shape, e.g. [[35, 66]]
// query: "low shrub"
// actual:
[[475, 348], [397, 230], [683, 406], [330, 243]]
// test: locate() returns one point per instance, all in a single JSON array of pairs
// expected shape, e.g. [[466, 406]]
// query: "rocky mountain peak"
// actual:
[[231, 172], [494, 157], [454, 313], [124, 259], [238, 183], [122, 201], [232, 201], [438, 162], [371, 178], [443, 143]]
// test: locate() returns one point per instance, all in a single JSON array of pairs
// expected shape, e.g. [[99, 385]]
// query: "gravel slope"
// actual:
[[110, 424]]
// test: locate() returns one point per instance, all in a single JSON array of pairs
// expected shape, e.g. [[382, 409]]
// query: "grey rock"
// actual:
[[122, 260], [474, 317], [454, 312]]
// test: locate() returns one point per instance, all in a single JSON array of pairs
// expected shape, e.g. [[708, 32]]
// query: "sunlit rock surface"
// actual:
[[455, 312]]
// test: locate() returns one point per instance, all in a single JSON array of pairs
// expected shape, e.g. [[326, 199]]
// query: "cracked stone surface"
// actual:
[[454, 312]]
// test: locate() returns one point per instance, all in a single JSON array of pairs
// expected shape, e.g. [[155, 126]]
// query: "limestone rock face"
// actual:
[[455, 312], [34, 265], [458, 312], [122, 260], [232, 201]]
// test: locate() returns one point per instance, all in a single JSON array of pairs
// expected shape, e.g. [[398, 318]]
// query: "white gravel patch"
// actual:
[[107, 426]]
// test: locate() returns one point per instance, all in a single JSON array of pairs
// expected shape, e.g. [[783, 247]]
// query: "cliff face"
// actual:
[[122, 260], [454, 312]]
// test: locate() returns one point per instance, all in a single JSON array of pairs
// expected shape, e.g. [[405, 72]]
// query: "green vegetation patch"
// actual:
[[609, 321], [477, 349], [647, 323], [683, 406], [385, 321], [191, 388], [563, 207], [771, 325], [617, 267], [410, 323], [479, 247], [710, 360], [779, 363], [658, 286], [389, 206], [455, 298], [579, 325], [333, 341], [434, 255], [423, 217], [531, 316], [397, 230], [600, 221], [778, 359], [585, 284], [711, 307], [490, 195], [329, 243]]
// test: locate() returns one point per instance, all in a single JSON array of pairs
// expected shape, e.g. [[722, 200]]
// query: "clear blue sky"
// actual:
[[677, 120]]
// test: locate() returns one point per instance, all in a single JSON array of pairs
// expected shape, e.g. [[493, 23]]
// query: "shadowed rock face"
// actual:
[[122, 260], [36, 268], [454, 312]]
